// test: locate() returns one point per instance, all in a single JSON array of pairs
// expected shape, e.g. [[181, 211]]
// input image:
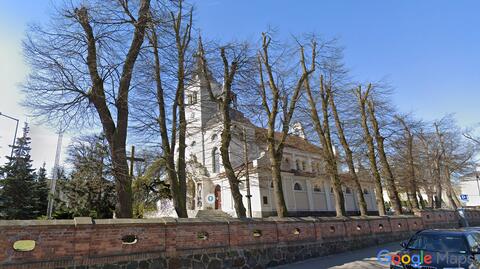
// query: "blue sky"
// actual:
[[428, 50]]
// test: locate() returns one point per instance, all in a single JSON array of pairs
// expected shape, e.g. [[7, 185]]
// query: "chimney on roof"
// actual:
[[298, 130]]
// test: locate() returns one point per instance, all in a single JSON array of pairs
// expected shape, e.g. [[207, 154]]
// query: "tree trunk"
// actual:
[[438, 185], [420, 198], [348, 156], [123, 185], [277, 186], [168, 149], [227, 165], [412, 186], [337, 190], [371, 152], [450, 192], [323, 131], [430, 200], [387, 172]]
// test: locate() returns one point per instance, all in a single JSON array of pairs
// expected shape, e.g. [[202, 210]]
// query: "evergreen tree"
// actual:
[[18, 198], [42, 190], [90, 190]]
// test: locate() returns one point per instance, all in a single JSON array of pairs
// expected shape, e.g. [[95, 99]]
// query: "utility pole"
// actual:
[[247, 175], [53, 182], [16, 129]]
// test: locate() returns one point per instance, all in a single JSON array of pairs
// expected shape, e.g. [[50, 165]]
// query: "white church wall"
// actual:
[[300, 195]]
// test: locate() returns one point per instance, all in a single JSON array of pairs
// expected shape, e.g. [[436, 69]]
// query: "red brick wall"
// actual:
[[86, 242]]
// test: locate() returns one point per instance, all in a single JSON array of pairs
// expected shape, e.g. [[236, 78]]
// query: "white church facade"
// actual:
[[306, 188]]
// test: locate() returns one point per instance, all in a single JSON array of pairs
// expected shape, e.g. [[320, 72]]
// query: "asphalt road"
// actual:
[[359, 259]]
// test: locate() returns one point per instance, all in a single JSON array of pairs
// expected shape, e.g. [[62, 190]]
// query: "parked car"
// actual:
[[439, 249]]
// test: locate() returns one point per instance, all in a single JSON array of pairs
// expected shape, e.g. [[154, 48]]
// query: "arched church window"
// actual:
[[215, 160], [348, 190], [297, 163], [297, 186], [304, 165], [271, 184]]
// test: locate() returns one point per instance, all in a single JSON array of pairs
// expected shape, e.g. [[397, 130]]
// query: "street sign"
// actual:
[[464, 197], [210, 198]]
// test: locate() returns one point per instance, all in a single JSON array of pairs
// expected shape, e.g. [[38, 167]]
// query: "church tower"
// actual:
[[199, 110]]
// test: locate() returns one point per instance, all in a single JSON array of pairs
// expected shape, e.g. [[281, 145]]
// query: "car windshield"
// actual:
[[473, 240], [438, 243]]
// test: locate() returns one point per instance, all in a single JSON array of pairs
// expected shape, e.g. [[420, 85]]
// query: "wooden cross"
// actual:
[[132, 160]]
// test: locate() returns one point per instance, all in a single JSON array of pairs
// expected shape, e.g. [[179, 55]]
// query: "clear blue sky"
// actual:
[[428, 50]]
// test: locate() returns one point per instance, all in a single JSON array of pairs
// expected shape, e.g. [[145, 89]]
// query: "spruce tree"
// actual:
[[42, 190], [18, 198]]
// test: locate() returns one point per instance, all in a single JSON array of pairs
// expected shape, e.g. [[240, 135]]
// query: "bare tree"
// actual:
[[412, 181], [175, 135], [322, 127], [348, 153], [275, 99], [234, 58], [386, 169], [362, 98], [86, 60]]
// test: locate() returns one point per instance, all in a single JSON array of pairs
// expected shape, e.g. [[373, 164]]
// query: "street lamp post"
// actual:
[[16, 129]]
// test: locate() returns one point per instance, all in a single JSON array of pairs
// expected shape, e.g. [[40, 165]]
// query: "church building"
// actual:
[[306, 187]]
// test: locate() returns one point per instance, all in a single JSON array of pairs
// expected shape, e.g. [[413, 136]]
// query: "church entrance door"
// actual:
[[218, 197]]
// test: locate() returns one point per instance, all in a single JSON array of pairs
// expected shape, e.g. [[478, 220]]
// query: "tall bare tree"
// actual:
[[322, 127], [386, 169], [348, 153], [234, 58], [362, 98], [86, 60], [412, 181], [276, 100], [179, 25]]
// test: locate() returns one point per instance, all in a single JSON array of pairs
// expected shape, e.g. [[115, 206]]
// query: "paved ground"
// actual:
[[358, 259]]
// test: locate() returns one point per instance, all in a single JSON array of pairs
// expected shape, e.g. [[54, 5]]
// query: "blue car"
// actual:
[[439, 249]]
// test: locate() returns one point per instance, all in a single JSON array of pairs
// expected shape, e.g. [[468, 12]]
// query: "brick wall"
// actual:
[[186, 243]]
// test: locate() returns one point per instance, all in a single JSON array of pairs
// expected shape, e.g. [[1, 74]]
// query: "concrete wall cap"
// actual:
[[290, 219], [129, 221], [36, 222], [332, 219], [252, 220], [404, 217], [206, 220], [83, 221]]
